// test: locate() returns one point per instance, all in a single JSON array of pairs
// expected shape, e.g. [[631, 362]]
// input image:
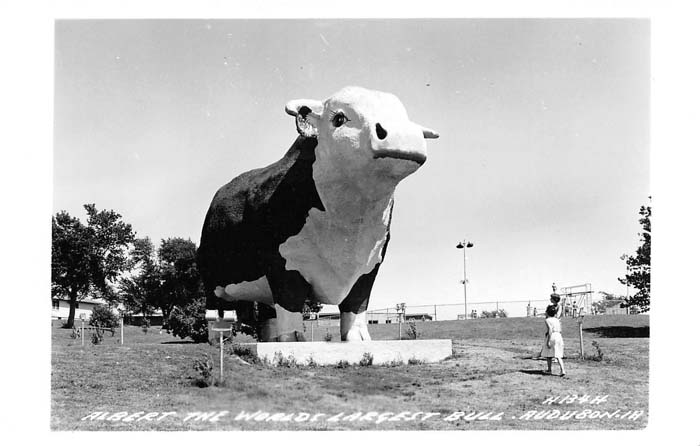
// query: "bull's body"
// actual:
[[314, 225]]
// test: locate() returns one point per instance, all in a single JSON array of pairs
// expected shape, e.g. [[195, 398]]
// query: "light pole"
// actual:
[[623, 257], [464, 245]]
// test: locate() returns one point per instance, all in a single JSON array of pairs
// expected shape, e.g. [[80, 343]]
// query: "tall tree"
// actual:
[[639, 265], [141, 289], [70, 265], [87, 257], [181, 282], [161, 280]]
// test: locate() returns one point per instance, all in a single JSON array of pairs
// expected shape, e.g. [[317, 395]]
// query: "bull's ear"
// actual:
[[429, 133], [307, 113]]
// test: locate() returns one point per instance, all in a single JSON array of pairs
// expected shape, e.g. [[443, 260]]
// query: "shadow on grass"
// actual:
[[619, 332], [177, 342], [535, 372]]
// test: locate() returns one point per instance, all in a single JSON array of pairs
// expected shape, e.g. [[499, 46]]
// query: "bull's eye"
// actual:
[[338, 119]]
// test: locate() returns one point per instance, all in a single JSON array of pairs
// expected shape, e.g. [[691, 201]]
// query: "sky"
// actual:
[[542, 160]]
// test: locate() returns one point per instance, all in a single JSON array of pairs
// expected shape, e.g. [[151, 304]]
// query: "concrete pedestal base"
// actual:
[[330, 353]]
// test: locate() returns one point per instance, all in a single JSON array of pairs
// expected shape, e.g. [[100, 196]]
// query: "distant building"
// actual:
[[156, 318], [61, 307], [419, 317], [375, 318], [617, 309]]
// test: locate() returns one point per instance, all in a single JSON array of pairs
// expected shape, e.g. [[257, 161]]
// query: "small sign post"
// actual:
[[221, 327], [82, 329]]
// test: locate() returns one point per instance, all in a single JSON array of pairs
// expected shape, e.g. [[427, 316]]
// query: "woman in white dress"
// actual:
[[555, 300], [554, 345]]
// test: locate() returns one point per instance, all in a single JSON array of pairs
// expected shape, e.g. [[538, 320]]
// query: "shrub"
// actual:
[[280, 361], [204, 368], [102, 316], [494, 313], [311, 362], [412, 330], [97, 337], [243, 352], [189, 322], [145, 325], [414, 361], [367, 359], [599, 352], [394, 363], [343, 364], [328, 337]]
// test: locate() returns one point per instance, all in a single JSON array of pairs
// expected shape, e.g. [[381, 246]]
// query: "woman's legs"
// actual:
[[549, 365], [561, 366]]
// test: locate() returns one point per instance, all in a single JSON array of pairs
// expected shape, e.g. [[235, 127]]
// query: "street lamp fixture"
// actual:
[[464, 245]]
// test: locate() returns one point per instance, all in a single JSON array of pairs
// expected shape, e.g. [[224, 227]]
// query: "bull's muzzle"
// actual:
[[404, 141]]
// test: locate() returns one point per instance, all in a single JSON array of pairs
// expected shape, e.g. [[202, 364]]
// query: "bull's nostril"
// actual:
[[381, 133]]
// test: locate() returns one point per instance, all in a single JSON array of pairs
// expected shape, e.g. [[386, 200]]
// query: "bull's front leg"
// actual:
[[289, 291], [353, 317]]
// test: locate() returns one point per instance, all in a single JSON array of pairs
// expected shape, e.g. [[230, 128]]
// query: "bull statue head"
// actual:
[[363, 135]]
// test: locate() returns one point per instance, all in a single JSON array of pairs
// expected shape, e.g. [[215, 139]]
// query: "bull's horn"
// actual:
[[429, 133], [304, 106]]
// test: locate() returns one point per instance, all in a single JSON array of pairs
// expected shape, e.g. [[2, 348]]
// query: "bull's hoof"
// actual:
[[353, 327], [356, 334], [295, 336]]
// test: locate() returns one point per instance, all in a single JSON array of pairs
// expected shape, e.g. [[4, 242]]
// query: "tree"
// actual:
[[103, 316], [188, 321], [164, 281], [181, 283], [639, 265], [141, 289], [608, 300], [494, 313], [87, 258], [311, 306]]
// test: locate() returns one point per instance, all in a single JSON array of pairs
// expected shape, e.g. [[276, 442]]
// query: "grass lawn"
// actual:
[[491, 376]]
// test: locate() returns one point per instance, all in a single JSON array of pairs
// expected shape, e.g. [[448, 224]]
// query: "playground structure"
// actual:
[[577, 299]]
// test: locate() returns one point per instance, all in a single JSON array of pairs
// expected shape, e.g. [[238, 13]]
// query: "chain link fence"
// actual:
[[455, 311]]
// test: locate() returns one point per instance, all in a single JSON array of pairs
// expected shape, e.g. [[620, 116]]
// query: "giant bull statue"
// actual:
[[315, 224]]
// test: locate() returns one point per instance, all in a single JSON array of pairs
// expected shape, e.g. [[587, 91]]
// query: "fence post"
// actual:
[[82, 333], [580, 334], [121, 330], [312, 330]]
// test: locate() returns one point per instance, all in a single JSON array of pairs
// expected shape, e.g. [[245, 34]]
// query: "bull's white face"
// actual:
[[363, 135]]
